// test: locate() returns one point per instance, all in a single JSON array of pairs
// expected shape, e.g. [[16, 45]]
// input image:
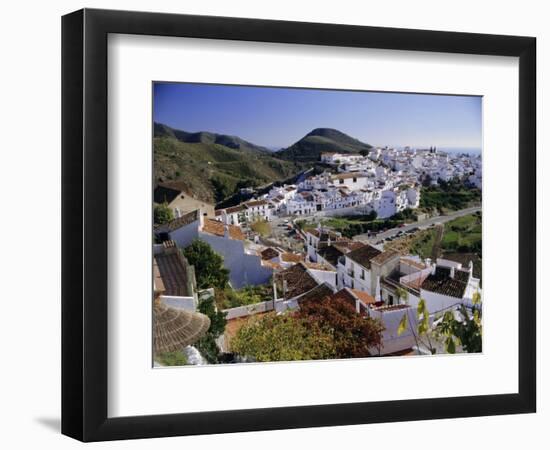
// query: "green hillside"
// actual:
[[214, 166], [321, 140]]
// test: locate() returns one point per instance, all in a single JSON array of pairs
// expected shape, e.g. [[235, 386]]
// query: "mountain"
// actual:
[[214, 166], [206, 137], [321, 140]]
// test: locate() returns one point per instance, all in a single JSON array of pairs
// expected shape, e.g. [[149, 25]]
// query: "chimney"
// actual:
[[226, 230], [452, 272], [201, 218], [471, 267]]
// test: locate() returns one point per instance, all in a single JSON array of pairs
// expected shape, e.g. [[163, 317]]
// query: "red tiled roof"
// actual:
[[269, 253], [217, 228], [385, 256], [364, 297], [297, 280], [291, 257]]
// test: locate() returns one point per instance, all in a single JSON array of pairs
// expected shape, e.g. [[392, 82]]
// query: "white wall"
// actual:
[[32, 98], [244, 269]]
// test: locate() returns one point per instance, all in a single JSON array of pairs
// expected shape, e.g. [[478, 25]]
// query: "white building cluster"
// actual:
[[386, 181]]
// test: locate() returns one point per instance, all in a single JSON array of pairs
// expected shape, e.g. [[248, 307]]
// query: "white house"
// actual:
[[227, 240]]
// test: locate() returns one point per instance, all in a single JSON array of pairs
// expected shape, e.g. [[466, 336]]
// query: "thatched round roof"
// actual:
[[174, 329]]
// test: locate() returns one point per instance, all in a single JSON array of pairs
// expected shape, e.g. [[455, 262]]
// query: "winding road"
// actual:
[[421, 224]]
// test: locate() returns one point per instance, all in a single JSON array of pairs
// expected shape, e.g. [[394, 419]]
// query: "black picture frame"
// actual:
[[84, 224]]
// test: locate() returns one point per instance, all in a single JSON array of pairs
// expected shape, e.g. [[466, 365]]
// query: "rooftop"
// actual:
[[182, 221], [269, 253], [173, 272], [218, 229], [174, 329], [297, 280], [385, 256], [363, 255], [441, 283]]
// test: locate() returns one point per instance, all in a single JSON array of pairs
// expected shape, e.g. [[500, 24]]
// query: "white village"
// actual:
[[279, 245]]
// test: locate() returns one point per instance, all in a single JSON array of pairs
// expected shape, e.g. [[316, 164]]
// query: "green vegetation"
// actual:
[[423, 243], [207, 344], [449, 332], [282, 338], [212, 166], [261, 227], [248, 295], [162, 214], [321, 329], [452, 195], [171, 359], [463, 235], [304, 225], [209, 269], [351, 226], [458, 240]]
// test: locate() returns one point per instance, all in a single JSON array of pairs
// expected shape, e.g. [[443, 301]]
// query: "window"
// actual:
[[362, 274], [341, 181], [355, 179]]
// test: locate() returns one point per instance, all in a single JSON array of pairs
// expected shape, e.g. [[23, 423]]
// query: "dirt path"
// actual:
[[436, 249]]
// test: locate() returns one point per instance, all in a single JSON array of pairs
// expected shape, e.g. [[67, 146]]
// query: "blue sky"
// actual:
[[278, 117]]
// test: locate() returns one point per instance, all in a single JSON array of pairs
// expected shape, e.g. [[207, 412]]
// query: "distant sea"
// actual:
[[469, 150]]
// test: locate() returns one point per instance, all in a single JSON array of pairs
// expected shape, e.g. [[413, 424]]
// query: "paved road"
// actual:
[[421, 224]]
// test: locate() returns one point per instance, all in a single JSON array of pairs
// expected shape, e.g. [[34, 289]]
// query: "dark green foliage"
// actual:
[[321, 140], [407, 214], [208, 348], [162, 214], [247, 295], [207, 344], [453, 195], [221, 189], [209, 269]]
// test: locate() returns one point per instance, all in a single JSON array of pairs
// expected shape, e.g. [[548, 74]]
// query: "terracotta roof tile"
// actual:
[[364, 296], [442, 283], [218, 228], [297, 280], [291, 257], [269, 253], [385, 256]]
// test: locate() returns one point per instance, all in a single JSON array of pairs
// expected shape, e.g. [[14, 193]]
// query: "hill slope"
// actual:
[[214, 166], [321, 140]]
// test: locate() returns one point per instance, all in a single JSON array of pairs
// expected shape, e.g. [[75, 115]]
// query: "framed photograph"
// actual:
[[273, 225]]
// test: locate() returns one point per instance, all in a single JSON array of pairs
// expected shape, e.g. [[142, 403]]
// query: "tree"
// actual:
[[354, 334], [283, 338], [221, 189], [162, 214], [207, 345], [450, 331], [363, 152], [209, 268], [465, 330]]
